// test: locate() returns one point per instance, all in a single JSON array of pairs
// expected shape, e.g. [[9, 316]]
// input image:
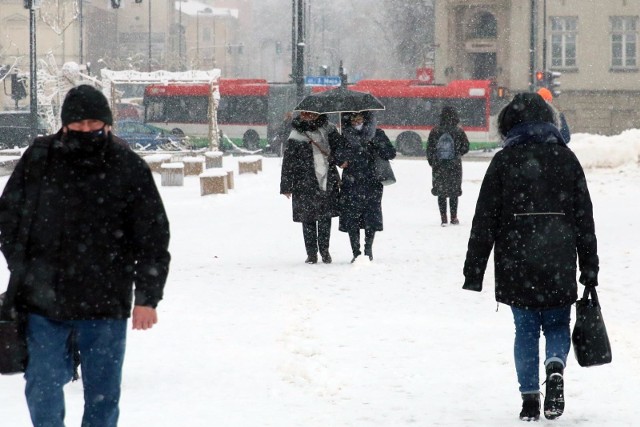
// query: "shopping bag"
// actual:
[[590, 341], [384, 173]]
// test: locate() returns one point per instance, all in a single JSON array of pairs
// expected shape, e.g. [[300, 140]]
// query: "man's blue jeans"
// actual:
[[555, 324], [101, 344]]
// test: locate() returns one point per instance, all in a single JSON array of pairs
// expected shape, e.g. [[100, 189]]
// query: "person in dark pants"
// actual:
[[310, 177], [446, 145], [535, 212], [85, 236], [361, 197]]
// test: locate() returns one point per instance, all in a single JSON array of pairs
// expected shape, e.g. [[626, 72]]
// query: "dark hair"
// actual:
[[449, 117], [524, 107]]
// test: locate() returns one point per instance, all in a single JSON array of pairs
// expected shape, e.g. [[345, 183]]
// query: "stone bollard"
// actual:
[[213, 181], [213, 159], [172, 174]]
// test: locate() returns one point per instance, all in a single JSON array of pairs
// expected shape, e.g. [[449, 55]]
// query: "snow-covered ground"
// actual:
[[249, 335]]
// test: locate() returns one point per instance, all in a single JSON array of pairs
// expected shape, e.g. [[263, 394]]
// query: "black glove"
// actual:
[[589, 278], [472, 285]]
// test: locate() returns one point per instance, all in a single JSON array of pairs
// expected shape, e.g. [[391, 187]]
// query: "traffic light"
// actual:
[[541, 79], [552, 83]]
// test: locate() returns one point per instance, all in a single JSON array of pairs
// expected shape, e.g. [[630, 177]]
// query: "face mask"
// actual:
[[358, 126], [86, 141]]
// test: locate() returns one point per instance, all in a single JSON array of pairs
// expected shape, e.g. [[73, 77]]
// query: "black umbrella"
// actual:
[[339, 100]]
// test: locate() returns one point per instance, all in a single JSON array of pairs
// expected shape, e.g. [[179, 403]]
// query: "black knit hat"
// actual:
[[85, 102], [525, 107]]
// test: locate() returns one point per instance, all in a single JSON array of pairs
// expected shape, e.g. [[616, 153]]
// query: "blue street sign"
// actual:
[[322, 81]]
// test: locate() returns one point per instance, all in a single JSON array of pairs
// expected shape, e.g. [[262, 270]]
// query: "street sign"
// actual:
[[322, 81]]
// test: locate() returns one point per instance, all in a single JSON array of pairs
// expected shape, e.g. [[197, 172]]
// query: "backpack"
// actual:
[[445, 147]]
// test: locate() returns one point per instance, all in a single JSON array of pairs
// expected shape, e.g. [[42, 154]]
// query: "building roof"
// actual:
[[194, 8]]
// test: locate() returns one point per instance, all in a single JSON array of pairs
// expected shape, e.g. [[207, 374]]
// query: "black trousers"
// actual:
[[316, 236], [354, 239], [453, 206]]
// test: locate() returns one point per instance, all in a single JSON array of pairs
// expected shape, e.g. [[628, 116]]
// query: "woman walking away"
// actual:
[[534, 208], [361, 197], [446, 145], [309, 174]]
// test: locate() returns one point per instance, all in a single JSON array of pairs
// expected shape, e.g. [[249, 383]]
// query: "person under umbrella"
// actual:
[[309, 176], [361, 197]]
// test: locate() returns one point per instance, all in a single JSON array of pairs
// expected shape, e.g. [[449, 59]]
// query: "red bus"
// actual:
[[242, 113], [412, 109], [250, 109]]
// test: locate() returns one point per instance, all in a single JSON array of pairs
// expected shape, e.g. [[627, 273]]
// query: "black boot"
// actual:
[[530, 407], [554, 397], [311, 259], [368, 243], [354, 240], [326, 257]]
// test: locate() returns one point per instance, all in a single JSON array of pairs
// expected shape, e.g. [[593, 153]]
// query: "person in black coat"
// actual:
[[309, 176], [446, 145], [84, 232], [535, 211], [361, 197]]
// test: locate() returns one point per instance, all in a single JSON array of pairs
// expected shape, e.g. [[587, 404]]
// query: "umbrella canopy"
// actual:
[[339, 100]]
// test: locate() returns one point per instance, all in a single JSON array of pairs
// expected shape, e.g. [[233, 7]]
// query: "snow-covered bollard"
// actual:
[[249, 164], [213, 181], [155, 161], [230, 182], [193, 165], [172, 174], [213, 159]]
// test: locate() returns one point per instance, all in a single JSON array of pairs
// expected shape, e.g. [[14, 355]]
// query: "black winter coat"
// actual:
[[361, 197], [298, 177], [534, 208], [98, 230], [446, 175]]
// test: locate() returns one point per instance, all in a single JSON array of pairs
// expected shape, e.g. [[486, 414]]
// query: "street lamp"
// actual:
[[32, 5]]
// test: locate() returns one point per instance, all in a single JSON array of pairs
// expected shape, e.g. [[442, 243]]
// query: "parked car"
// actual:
[[15, 129], [142, 136]]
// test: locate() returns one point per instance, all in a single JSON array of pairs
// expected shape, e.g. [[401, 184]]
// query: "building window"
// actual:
[[624, 38], [564, 31]]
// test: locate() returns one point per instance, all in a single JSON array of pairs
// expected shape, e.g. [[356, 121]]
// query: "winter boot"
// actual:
[[311, 259], [554, 397], [530, 407], [369, 235], [326, 257], [454, 220], [443, 219], [356, 254]]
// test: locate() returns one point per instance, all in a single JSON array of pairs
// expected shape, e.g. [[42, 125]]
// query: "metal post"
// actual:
[[532, 46], [180, 36], [81, 24], [544, 35], [149, 61], [293, 40], [33, 71], [299, 73]]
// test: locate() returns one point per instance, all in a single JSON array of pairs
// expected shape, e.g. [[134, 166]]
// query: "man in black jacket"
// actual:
[[535, 211], [83, 228]]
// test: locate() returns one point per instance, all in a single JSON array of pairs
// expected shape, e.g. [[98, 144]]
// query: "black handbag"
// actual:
[[13, 340], [383, 170], [591, 344]]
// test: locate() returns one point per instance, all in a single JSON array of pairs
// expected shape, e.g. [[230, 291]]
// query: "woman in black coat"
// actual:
[[361, 197], [534, 209], [446, 145], [310, 176]]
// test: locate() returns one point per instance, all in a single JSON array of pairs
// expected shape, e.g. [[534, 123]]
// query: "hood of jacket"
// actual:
[[536, 132]]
